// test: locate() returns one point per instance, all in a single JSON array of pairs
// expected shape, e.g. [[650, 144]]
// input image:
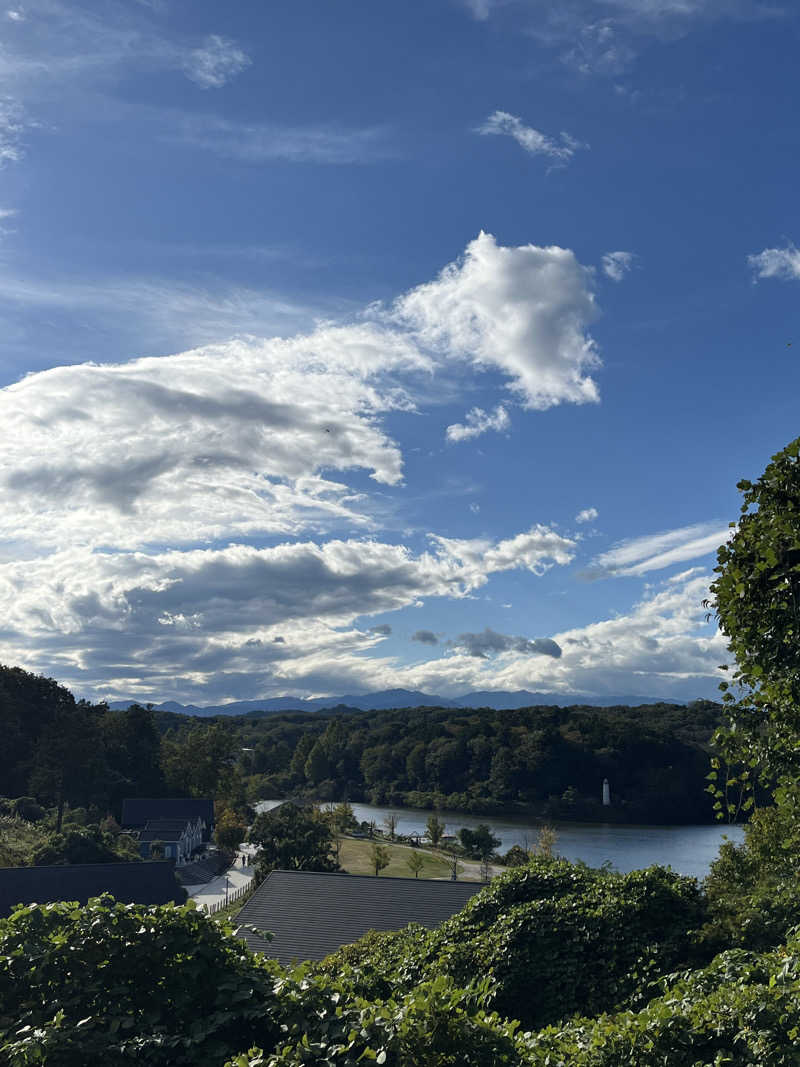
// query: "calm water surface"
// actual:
[[687, 849]]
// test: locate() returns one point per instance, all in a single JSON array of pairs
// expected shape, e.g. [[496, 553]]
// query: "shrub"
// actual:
[[115, 983]]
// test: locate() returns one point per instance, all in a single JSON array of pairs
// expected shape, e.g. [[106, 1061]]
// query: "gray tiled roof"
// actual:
[[312, 915], [131, 883], [136, 811]]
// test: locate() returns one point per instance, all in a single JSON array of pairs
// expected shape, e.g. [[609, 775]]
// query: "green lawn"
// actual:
[[355, 857]]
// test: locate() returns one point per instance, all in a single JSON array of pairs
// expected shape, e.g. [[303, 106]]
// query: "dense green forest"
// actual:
[[546, 760]]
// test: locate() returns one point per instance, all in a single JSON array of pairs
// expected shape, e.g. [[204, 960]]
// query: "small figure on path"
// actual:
[[244, 860]]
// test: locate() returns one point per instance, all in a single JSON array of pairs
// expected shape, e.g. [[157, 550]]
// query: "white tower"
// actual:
[[606, 794]]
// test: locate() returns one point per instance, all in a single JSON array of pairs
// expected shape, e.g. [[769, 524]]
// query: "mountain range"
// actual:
[[399, 698]]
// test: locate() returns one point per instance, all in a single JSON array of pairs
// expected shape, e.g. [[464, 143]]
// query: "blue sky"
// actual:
[[351, 346]]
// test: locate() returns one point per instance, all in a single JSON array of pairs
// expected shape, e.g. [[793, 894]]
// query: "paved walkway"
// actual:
[[214, 892]]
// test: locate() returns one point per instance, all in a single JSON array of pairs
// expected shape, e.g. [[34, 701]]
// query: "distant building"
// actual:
[[131, 883], [137, 812], [312, 915], [180, 838]]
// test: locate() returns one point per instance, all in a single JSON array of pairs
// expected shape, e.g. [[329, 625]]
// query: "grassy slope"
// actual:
[[355, 857]]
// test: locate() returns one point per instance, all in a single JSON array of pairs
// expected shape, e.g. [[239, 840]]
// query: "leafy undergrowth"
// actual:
[[603, 970]]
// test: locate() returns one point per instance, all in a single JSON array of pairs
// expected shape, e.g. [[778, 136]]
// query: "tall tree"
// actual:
[[756, 599], [292, 838], [69, 764]]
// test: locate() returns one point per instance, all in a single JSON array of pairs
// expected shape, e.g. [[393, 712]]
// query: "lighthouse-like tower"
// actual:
[[606, 794]]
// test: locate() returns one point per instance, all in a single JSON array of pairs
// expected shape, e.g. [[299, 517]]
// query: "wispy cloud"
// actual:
[[533, 141], [478, 422], [587, 515], [214, 64], [258, 142], [12, 125], [617, 264], [639, 555], [783, 263]]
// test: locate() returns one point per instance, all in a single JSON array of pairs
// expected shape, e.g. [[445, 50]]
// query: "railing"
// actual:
[[231, 898]]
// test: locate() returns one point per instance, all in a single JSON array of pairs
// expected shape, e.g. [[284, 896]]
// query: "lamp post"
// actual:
[[226, 889]]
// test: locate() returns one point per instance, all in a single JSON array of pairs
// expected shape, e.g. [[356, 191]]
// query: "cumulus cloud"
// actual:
[[523, 311], [617, 264], [216, 62], [639, 555], [482, 645], [478, 422], [118, 621], [242, 438], [138, 497], [425, 637], [587, 515], [383, 630], [782, 263], [533, 141]]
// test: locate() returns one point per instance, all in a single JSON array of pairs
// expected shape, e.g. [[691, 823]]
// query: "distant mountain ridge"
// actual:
[[400, 698]]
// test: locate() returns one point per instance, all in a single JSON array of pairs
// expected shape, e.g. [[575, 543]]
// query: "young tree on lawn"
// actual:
[[435, 828], [390, 822], [415, 863], [380, 858]]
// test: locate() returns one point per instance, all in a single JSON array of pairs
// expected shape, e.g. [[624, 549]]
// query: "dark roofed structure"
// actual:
[[131, 883], [312, 915], [137, 811]]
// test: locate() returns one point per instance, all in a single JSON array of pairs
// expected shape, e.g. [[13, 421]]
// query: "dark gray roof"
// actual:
[[137, 811], [161, 834], [132, 883], [312, 915], [167, 824]]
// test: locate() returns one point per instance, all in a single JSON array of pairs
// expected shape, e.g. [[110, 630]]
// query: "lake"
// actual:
[[687, 849]]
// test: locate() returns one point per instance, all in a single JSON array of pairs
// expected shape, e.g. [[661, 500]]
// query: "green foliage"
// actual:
[[435, 828], [84, 845], [436, 1024], [556, 938], [113, 983], [551, 760], [479, 843], [756, 599], [415, 863], [194, 761], [516, 857], [230, 830], [292, 838], [379, 857], [741, 1011], [19, 840], [753, 889]]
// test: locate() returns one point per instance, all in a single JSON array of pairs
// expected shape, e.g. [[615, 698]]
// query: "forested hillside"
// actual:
[[546, 759]]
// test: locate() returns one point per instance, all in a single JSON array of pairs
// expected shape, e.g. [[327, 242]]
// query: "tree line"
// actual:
[[546, 760]]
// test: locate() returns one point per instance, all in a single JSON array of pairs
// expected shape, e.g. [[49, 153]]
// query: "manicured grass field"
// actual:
[[355, 857]]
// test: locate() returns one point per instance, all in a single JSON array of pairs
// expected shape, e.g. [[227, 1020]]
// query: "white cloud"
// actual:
[[257, 142], [639, 555], [134, 465], [15, 15], [524, 311], [113, 621], [617, 264], [587, 515], [783, 263], [213, 65], [12, 126], [534, 142], [478, 422]]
